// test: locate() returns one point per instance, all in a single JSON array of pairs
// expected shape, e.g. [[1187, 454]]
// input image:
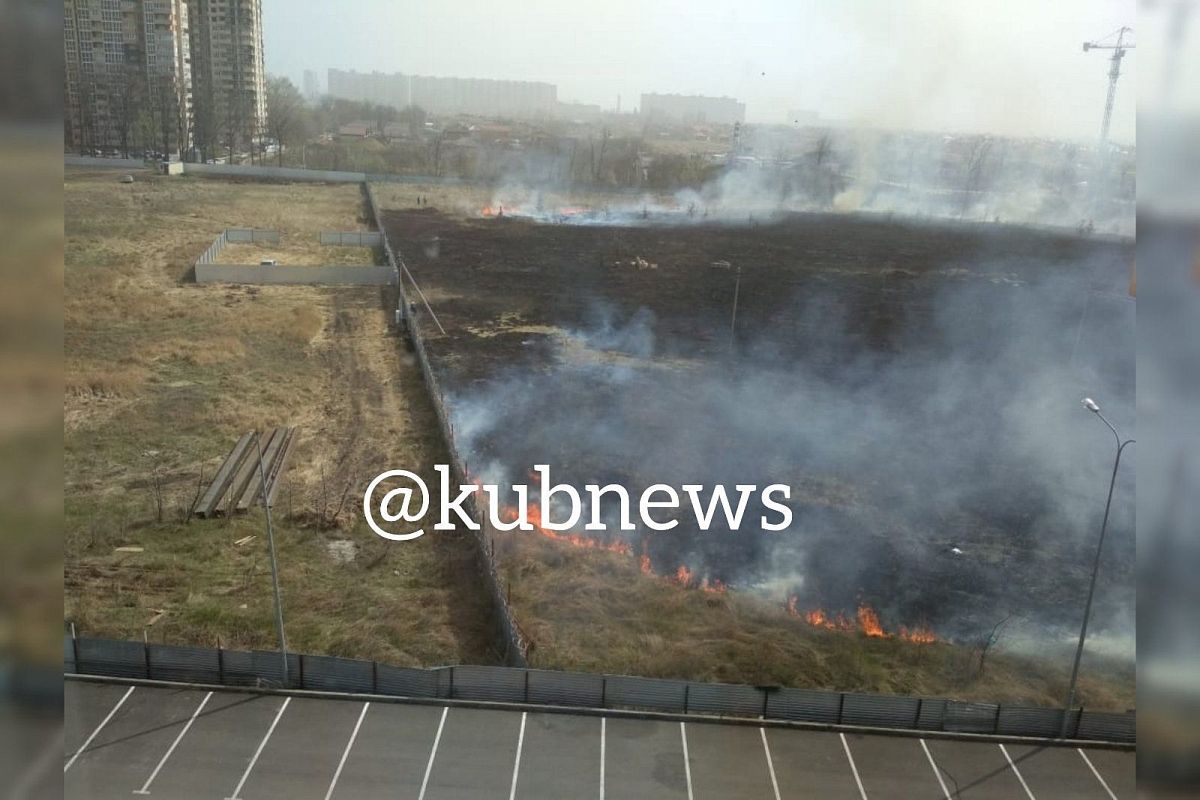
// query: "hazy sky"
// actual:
[[1013, 67]]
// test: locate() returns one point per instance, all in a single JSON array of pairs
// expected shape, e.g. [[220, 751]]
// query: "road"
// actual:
[[126, 740]]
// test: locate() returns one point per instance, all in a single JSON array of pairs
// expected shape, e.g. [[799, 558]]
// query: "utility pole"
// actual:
[[262, 476], [737, 285], [1114, 71]]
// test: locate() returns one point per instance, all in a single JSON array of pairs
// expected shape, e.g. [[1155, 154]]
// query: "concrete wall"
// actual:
[[276, 173], [351, 238], [102, 163], [322, 276]]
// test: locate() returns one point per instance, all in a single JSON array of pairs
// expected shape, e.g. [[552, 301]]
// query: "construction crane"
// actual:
[[1118, 47]]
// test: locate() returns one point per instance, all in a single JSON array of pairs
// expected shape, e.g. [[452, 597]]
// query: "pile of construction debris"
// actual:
[[239, 482]]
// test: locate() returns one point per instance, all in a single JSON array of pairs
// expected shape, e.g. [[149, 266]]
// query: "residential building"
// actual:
[[482, 96], [692, 109], [128, 75], [229, 74]]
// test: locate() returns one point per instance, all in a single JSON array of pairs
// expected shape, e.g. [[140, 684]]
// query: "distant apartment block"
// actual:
[[229, 73], [692, 109], [128, 74], [481, 96], [312, 85]]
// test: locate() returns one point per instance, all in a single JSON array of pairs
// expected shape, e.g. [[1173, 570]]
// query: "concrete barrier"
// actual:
[[275, 173], [105, 163], [352, 238], [321, 276]]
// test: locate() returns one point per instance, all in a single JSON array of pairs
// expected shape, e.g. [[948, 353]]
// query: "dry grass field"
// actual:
[[163, 375]]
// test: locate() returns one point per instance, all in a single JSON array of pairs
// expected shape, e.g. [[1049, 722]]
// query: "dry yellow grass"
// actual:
[[163, 376], [595, 611]]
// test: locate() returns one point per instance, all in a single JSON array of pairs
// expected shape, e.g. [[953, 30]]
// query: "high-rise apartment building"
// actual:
[[692, 109], [312, 85], [229, 73], [128, 74], [447, 95], [164, 75]]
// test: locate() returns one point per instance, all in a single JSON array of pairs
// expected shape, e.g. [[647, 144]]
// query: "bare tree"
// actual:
[[975, 170], [125, 102], [286, 116], [988, 642]]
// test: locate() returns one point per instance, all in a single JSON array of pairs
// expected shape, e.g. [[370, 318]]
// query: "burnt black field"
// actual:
[[917, 386]]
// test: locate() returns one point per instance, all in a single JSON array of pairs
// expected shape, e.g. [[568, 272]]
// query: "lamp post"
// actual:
[[1090, 405]]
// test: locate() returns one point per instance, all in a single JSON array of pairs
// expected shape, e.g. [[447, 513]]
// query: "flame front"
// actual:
[[866, 622], [534, 518]]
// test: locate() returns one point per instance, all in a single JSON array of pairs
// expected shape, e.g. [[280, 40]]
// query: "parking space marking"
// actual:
[[346, 753], [146, 786], [1095, 772], [770, 763], [512, 793], [99, 728], [603, 732], [433, 753], [936, 771], [1017, 772], [853, 768], [258, 752], [687, 764]]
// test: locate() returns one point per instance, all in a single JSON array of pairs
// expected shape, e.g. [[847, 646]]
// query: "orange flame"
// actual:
[[644, 561], [509, 514], [683, 575], [866, 622]]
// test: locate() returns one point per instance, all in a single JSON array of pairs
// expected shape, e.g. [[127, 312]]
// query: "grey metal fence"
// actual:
[[124, 659], [516, 647]]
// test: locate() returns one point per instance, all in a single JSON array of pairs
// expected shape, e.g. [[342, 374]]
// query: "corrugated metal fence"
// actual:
[[583, 690]]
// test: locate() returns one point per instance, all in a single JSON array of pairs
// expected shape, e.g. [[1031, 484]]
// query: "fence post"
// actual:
[[917, 718], [451, 682], [374, 677], [686, 687], [300, 659], [220, 664], [604, 691], [766, 696], [841, 705], [996, 721], [75, 646], [526, 686], [146, 651]]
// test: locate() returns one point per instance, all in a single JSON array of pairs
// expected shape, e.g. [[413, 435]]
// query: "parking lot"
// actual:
[[123, 740]]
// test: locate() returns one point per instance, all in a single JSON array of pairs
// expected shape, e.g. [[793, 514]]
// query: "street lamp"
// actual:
[[1091, 405]]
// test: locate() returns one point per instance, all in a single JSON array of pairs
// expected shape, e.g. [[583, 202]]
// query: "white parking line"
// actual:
[[936, 772], [603, 731], [770, 763], [433, 753], [258, 752], [1017, 772], [146, 786], [687, 764], [99, 728], [346, 753], [1096, 772], [512, 793], [857, 780]]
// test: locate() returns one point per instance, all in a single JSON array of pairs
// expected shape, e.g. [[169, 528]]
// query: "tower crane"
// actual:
[[1118, 47]]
